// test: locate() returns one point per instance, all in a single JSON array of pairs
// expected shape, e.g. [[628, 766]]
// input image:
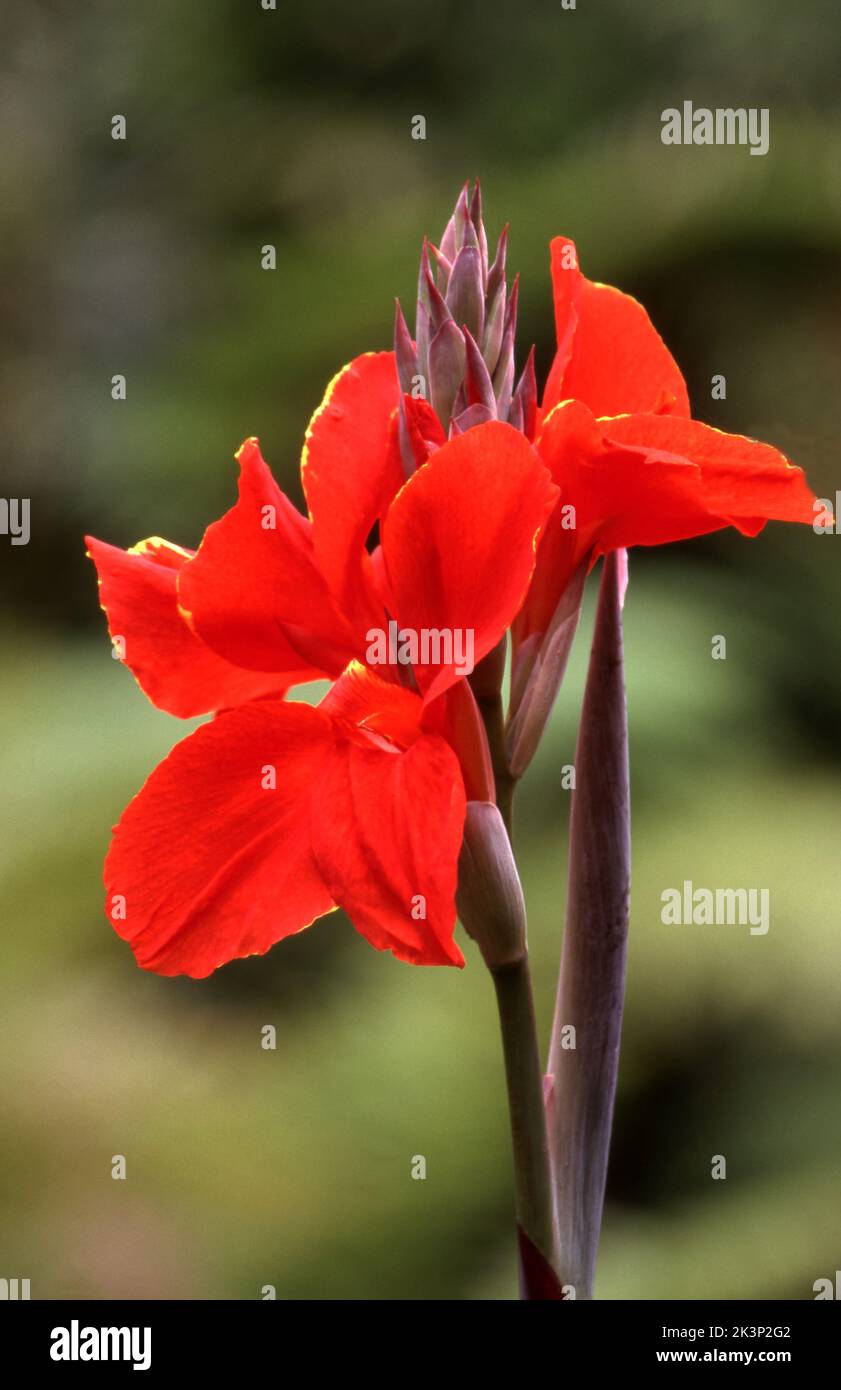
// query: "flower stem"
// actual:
[[524, 1076], [506, 785], [493, 718], [509, 967]]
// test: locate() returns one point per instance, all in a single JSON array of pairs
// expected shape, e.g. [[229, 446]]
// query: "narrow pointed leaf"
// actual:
[[592, 981]]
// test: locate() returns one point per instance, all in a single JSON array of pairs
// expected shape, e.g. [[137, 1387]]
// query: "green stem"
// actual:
[[506, 785], [493, 717], [534, 1199], [524, 1076]]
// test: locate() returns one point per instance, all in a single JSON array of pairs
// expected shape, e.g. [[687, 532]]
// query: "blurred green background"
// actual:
[[292, 1168]]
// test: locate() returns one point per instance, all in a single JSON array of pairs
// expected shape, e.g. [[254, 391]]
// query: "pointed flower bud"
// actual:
[[465, 230], [465, 291], [465, 331], [445, 268], [478, 386], [504, 373], [404, 351], [490, 897], [479, 228], [494, 324], [496, 274], [466, 419], [433, 300], [447, 355], [525, 398]]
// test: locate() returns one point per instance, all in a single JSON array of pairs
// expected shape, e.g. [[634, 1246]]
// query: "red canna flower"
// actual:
[[139, 593], [456, 554], [440, 449], [632, 467], [614, 430], [276, 813], [272, 598]]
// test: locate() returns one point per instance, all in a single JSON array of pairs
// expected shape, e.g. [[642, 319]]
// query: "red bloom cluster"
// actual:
[[486, 505]]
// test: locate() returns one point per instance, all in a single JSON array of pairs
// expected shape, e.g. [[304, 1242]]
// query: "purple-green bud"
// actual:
[[447, 355], [465, 331], [465, 291], [404, 352], [503, 378], [479, 227], [523, 413], [494, 324], [489, 896], [478, 387]]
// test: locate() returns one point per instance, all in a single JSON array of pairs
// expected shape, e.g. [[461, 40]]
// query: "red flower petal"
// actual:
[[455, 715], [621, 496], [425, 431], [387, 829], [254, 592], [350, 474], [610, 355], [458, 543], [567, 283], [273, 814], [171, 665], [207, 864], [745, 482], [647, 480], [368, 704]]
